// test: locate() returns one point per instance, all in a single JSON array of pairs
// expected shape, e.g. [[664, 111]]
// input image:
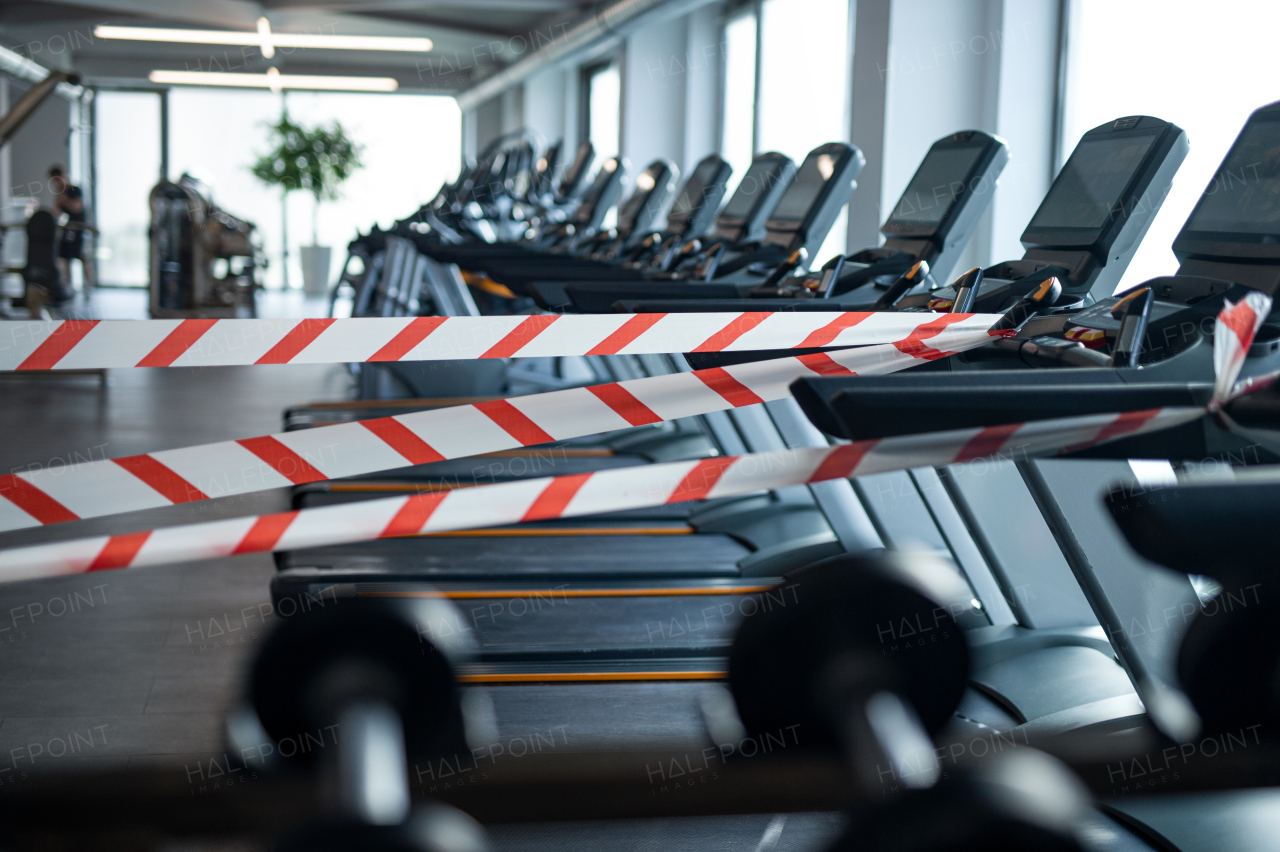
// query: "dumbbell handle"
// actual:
[[373, 772], [884, 739]]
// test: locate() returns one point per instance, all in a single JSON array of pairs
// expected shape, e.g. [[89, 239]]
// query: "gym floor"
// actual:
[[126, 667]]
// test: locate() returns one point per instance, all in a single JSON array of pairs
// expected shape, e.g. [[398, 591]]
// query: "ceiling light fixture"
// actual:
[[275, 81], [265, 39]]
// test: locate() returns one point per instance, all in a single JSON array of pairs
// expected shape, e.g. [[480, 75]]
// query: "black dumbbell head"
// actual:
[[1020, 801], [432, 828], [1229, 662], [846, 628], [386, 651]]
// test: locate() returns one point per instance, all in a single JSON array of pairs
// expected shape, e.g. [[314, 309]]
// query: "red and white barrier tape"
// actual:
[[1233, 334], [575, 495], [153, 480], [95, 344]]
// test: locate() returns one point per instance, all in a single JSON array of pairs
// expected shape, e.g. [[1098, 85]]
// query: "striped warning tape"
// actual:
[[613, 490], [153, 480], [1236, 326], [96, 344]]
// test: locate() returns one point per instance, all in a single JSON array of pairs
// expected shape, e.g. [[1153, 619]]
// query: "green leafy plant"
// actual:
[[317, 160]]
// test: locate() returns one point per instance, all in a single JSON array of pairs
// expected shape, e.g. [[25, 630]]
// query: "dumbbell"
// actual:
[[1019, 801], [1229, 660], [867, 659], [361, 678]]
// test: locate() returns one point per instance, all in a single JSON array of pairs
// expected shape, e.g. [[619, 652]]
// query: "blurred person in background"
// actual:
[[68, 207]]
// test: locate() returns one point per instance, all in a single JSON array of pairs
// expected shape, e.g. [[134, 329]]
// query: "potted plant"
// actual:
[[318, 160]]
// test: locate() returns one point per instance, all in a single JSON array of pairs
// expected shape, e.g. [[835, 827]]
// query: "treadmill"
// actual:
[[795, 230], [740, 227], [1079, 362], [582, 234], [933, 221]]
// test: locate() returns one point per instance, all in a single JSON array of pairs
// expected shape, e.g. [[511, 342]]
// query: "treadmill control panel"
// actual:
[[1238, 215], [809, 208]]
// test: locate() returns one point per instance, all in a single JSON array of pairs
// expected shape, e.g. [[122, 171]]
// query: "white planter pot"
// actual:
[[315, 262]]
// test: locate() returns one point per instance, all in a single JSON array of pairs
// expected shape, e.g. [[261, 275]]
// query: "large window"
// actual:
[[602, 95], [737, 141], [604, 109], [127, 150], [411, 146], [1204, 67], [804, 72]]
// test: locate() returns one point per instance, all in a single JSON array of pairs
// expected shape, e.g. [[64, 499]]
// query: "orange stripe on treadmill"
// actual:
[[33, 501], [624, 404], [409, 337], [829, 332], [587, 677], [514, 422], [626, 334], [63, 339], [735, 392], [986, 442], [160, 478], [401, 438], [822, 364], [521, 336], [493, 594], [299, 337], [698, 483], [841, 462], [282, 460], [739, 326], [413, 515], [176, 342], [555, 497], [119, 551], [265, 532]]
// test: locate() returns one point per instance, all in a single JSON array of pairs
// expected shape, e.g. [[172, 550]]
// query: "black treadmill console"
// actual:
[[574, 179], [695, 207], [941, 206], [1234, 231], [639, 216], [600, 196], [1100, 205], [1229, 244], [1091, 221], [933, 220], [809, 208], [758, 193]]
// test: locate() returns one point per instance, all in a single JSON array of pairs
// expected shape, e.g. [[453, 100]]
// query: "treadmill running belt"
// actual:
[[616, 556], [812, 832]]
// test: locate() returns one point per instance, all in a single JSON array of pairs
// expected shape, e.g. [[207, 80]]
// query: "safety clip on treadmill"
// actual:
[[773, 285], [1132, 312], [904, 285]]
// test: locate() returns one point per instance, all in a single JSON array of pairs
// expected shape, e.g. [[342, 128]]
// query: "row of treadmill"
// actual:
[[650, 629], [1074, 653]]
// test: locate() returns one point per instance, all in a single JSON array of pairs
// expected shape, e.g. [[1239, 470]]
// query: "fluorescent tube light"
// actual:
[[275, 81], [266, 39]]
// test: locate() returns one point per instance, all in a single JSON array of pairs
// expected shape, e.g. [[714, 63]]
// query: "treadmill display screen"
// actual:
[[936, 186], [754, 184], [1244, 196], [1090, 187], [805, 189], [694, 189]]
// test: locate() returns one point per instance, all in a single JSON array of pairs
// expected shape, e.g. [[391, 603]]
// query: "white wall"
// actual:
[[928, 68]]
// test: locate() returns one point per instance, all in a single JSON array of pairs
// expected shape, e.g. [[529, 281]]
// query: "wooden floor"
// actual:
[[133, 665]]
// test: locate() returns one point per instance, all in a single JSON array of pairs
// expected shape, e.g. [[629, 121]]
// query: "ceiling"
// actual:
[[472, 38]]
